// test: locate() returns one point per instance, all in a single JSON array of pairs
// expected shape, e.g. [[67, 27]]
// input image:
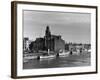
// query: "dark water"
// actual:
[[70, 61]]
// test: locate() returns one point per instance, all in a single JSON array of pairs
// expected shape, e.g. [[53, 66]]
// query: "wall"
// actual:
[[59, 44], [5, 41]]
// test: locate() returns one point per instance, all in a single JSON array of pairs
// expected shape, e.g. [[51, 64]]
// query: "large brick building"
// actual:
[[52, 42]]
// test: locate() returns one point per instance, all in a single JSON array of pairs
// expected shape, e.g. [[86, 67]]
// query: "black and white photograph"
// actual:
[[53, 39], [56, 39]]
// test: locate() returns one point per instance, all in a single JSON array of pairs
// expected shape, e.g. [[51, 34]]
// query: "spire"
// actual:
[[47, 32]]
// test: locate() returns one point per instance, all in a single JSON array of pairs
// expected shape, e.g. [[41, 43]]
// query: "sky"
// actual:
[[73, 27]]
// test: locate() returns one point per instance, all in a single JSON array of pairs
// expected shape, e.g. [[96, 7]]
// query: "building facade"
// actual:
[[26, 44], [52, 42]]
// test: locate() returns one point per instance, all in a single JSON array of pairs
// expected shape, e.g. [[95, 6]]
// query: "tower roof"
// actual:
[[47, 32]]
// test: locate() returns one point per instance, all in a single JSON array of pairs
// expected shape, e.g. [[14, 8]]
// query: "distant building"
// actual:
[[75, 47], [52, 42], [87, 46], [26, 43], [79, 47]]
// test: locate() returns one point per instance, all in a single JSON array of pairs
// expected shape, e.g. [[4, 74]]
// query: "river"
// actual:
[[70, 61]]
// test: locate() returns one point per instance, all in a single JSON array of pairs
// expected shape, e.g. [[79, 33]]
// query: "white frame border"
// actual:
[[33, 72]]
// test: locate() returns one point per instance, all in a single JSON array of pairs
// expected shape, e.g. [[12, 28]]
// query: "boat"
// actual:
[[47, 55], [30, 57], [64, 54], [89, 50], [25, 60], [75, 53]]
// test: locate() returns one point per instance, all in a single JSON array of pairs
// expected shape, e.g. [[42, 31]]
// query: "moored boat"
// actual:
[[30, 57], [64, 54], [47, 56]]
